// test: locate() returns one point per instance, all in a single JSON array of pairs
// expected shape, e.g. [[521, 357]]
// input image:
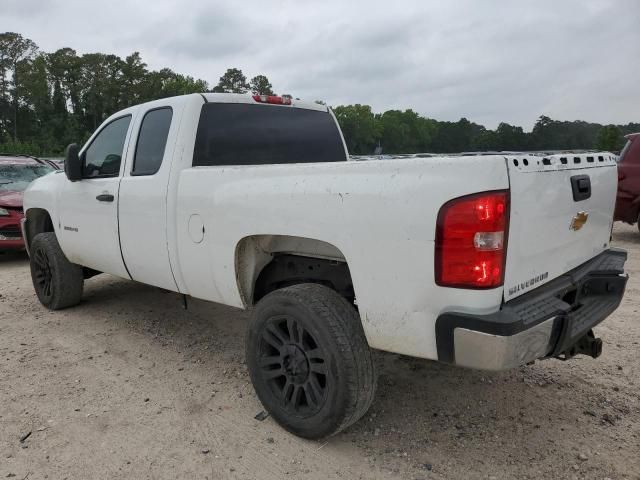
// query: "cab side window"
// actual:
[[103, 157], [152, 141]]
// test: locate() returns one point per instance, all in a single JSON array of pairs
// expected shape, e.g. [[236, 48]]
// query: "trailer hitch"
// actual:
[[586, 345]]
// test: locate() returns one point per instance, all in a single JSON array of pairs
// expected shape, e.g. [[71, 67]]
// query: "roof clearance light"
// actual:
[[272, 99]]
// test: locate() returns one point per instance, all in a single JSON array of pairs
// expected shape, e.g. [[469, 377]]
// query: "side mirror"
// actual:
[[72, 163]]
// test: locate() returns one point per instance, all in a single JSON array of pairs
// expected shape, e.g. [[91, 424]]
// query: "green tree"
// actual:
[[64, 66], [167, 83], [133, 73], [35, 100], [260, 85], [394, 132], [508, 137], [50, 99], [13, 49], [486, 140], [233, 81], [610, 139], [405, 132], [359, 127], [100, 85]]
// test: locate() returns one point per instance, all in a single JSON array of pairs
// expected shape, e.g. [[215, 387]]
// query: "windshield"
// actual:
[[17, 177]]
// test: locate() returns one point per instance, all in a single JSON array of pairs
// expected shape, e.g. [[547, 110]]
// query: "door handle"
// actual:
[[105, 197], [581, 186]]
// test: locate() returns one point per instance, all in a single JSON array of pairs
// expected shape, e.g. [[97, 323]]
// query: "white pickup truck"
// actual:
[[482, 261]]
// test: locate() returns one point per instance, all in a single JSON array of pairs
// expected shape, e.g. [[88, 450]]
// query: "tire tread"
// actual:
[[343, 321], [67, 275]]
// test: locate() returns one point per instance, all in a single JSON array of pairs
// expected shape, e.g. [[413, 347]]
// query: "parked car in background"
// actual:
[[16, 173], [628, 198], [57, 162]]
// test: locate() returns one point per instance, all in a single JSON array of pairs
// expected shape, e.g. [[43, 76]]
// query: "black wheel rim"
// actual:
[[294, 366], [43, 273]]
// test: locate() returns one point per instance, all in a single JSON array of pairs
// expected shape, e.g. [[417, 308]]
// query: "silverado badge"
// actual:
[[578, 221]]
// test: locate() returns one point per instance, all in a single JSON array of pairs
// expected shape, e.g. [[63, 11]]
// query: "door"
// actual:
[[89, 207], [143, 195]]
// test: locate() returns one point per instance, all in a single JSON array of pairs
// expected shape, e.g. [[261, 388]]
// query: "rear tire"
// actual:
[[58, 282], [309, 360]]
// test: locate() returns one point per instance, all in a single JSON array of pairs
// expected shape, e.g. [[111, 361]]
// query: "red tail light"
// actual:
[[471, 241], [274, 99]]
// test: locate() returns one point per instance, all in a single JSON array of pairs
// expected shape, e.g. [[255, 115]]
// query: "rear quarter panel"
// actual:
[[380, 214]]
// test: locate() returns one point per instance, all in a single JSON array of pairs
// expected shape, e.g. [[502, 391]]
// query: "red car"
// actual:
[[628, 199], [16, 173]]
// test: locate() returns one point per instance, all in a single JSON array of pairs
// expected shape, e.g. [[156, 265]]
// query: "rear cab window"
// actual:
[[246, 134], [152, 140]]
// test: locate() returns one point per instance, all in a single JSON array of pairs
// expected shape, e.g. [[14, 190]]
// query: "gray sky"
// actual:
[[487, 60]]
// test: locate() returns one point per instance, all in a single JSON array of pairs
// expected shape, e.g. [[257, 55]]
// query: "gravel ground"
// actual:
[[129, 385]]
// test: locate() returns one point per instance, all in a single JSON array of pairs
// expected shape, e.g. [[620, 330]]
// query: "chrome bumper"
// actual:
[[554, 320], [485, 351]]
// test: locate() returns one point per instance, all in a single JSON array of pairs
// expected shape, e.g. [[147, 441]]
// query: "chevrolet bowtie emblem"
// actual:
[[578, 221]]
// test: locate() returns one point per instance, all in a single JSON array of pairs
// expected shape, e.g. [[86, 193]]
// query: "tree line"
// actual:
[[396, 131], [51, 99]]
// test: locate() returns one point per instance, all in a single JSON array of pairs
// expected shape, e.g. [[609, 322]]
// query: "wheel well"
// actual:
[[265, 263], [38, 221]]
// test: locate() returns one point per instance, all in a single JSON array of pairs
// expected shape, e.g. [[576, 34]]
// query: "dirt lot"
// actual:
[[129, 385]]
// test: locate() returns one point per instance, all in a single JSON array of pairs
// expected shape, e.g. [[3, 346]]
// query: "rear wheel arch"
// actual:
[[264, 263]]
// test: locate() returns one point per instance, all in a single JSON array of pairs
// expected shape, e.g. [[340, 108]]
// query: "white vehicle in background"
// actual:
[[486, 262]]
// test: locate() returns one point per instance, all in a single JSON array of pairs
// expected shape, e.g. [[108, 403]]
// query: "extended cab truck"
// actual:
[[487, 262]]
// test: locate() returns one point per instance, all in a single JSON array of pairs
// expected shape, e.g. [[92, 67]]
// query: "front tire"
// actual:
[[58, 282], [309, 360]]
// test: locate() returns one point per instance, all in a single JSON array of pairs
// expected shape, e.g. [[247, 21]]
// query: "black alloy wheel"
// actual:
[[293, 365], [58, 282], [309, 360]]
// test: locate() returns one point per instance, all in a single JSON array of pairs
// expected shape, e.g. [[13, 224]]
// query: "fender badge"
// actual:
[[578, 221]]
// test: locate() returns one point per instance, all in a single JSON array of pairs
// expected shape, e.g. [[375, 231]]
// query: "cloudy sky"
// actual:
[[487, 60]]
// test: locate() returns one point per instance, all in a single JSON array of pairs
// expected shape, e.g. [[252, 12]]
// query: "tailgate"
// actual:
[[561, 215]]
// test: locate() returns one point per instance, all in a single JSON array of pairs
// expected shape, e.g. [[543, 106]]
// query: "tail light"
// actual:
[[273, 99], [471, 241]]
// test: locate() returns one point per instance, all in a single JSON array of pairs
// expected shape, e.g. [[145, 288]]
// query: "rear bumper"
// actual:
[[547, 322]]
